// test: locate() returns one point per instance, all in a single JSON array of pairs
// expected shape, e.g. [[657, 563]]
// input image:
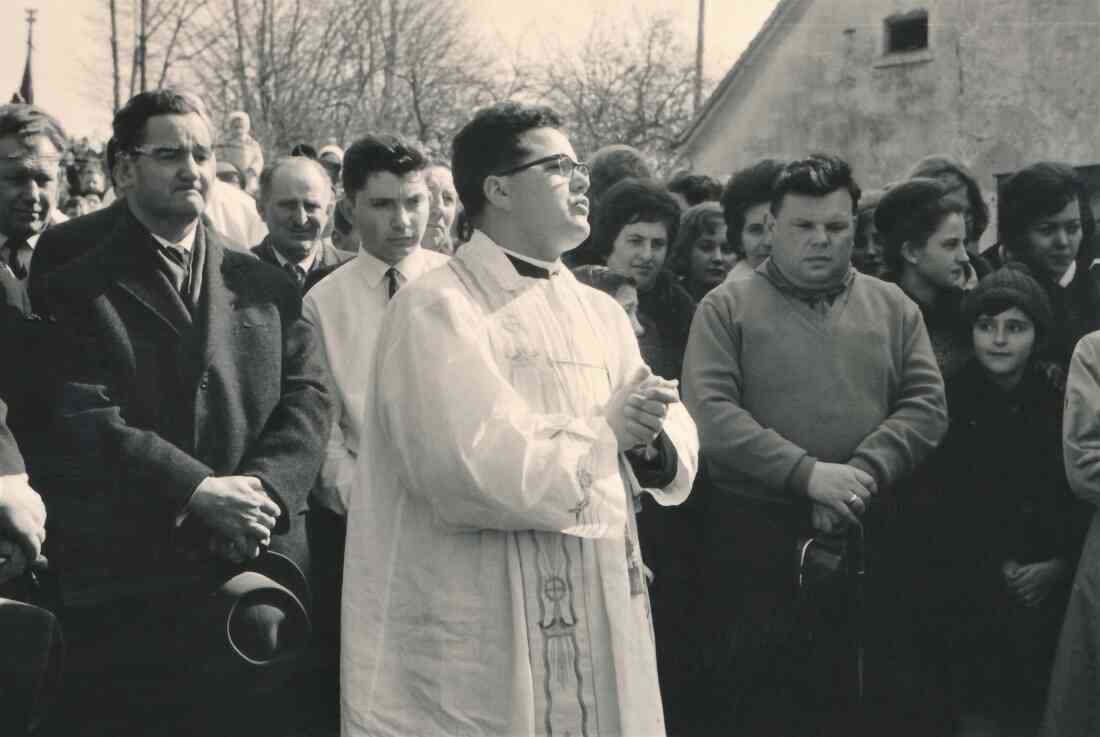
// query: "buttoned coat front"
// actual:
[[156, 396]]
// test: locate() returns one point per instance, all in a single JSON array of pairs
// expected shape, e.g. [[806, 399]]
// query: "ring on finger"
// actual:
[[853, 498]]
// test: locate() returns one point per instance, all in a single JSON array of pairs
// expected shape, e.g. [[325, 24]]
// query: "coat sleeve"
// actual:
[[918, 417], [287, 454], [713, 382], [1081, 421], [460, 436]]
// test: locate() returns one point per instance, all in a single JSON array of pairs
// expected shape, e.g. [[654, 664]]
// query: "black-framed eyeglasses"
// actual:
[[566, 166], [172, 154]]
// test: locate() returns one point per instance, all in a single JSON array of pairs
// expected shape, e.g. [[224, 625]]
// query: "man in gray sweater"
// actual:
[[815, 391]]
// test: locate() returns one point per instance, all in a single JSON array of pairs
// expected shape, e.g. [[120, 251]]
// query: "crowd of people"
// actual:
[[513, 443]]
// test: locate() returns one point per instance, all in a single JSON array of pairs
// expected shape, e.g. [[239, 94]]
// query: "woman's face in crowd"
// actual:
[[1054, 240], [627, 297], [711, 257], [1003, 343], [756, 234], [640, 251], [867, 249], [941, 262]]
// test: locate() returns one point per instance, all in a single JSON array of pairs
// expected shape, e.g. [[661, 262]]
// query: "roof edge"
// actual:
[[758, 41]]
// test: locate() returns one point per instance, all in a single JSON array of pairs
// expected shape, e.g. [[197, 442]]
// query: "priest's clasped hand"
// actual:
[[637, 411]]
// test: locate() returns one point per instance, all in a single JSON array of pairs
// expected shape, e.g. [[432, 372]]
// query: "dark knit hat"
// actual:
[[1007, 287]]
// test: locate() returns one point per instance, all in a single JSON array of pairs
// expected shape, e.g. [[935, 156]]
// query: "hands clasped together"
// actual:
[[637, 411], [239, 512], [22, 527], [840, 494]]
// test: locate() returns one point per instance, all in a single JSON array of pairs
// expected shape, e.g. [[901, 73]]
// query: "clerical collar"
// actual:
[[186, 243], [532, 267], [1068, 276]]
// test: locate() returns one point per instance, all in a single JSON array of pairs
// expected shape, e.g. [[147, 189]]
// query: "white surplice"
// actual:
[[492, 579]]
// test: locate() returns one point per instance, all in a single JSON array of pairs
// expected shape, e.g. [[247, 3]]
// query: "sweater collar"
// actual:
[[811, 296]]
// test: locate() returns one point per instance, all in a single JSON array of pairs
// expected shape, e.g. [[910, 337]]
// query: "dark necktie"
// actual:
[[15, 248], [526, 268], [393, 277], [297, 272], [181, 258]]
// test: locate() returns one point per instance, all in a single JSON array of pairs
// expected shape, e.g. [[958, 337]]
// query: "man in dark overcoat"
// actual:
[[193, 407]]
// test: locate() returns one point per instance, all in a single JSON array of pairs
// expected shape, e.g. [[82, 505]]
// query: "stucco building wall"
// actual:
[[1002, 84]]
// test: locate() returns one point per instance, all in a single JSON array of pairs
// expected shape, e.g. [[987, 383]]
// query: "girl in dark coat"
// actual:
[[1044, 220], [1017, 530]]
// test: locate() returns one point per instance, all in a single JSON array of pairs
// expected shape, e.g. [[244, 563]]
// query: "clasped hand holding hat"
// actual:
[[238, 511], [22, 527]]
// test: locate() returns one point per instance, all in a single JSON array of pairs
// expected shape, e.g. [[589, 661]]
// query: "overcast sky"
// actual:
[[70, 41]]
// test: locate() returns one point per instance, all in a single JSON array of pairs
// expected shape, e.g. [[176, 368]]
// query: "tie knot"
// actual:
[[177, 255], [296, 271], [18, 257], [394, 277]]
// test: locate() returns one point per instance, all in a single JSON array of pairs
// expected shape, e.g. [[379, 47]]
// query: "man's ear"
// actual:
[[124, 173], [909, 252], [497, 192], [347, 206]]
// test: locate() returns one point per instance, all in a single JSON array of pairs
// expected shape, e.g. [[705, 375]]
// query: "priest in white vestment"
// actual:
[[492, 582]]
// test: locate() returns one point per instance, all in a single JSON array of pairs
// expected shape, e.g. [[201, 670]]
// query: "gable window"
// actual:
[[907, 32]]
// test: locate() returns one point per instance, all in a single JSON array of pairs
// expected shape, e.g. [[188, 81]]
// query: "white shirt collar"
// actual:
[[305, 264], [186, 243], [410, 267], [1068, 276], [32, 241]]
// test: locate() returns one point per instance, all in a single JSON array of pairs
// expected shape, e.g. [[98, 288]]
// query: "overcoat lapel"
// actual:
[[134, 265]]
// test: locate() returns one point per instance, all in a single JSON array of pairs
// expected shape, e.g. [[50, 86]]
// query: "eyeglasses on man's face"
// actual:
[[565, 166], [172, 154]]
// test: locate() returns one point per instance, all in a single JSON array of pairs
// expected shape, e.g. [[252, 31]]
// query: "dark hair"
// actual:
[[304, 149], [273, 167], [865, 212], [27, 121], [938, 166], [110, 154], [129, 123], [603, 278], [490, 143], [380, 152], [1039, 191], [910, 212], [632, 201], [815, 176], [609, 165], [697, 221], [695, 188], [746, 188], [340, 221]]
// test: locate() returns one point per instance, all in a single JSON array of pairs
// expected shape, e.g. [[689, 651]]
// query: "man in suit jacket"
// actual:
[[31, 145], [296, 203], [195, 409]]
